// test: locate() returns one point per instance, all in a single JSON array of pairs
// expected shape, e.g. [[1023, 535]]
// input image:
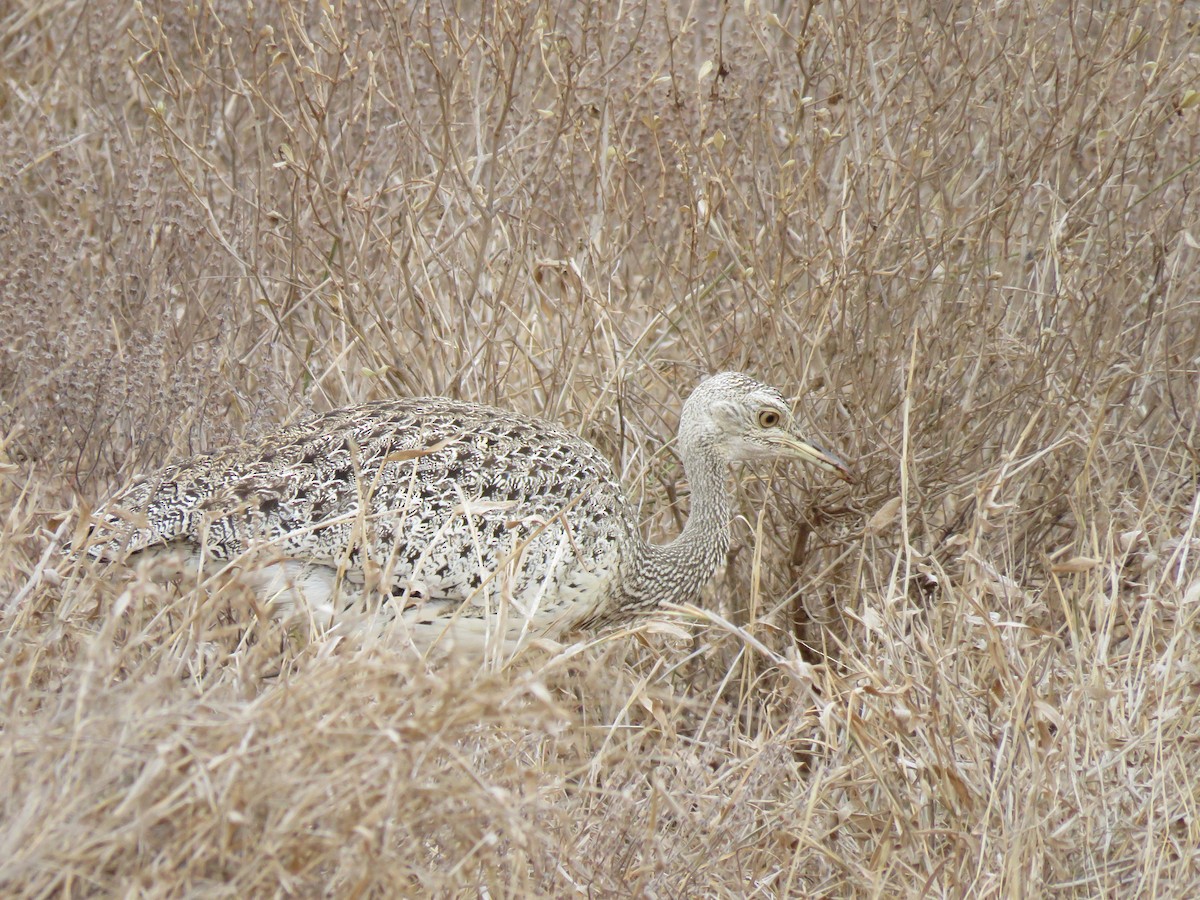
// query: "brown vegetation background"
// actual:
[[965, 236]]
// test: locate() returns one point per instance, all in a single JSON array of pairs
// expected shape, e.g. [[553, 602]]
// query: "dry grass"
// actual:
[[966, 235]]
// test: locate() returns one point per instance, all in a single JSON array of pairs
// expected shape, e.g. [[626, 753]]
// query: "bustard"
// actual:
[[463, 522]]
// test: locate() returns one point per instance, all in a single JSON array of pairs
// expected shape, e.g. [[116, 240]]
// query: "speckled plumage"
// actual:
[[468, 523]]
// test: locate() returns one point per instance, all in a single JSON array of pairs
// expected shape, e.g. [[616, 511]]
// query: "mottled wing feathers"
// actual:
[[424, 488]]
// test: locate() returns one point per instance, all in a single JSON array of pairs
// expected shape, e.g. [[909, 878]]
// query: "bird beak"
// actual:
[[809, 453]]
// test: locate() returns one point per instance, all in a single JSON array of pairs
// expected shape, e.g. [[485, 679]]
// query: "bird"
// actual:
[[453, 522]]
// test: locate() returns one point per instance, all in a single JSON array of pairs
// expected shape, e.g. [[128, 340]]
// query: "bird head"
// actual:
[[744, 420]]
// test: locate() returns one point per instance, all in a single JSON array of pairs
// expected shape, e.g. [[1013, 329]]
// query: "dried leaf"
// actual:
[[885, 517], [1074, 565]]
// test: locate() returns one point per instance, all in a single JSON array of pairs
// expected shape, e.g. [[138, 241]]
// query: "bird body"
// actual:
[[468, 524]]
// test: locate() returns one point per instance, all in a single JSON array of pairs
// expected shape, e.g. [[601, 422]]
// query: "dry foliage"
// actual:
[[966, 235]]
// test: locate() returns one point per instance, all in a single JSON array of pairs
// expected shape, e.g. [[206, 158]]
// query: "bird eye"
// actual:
[[768, 418]]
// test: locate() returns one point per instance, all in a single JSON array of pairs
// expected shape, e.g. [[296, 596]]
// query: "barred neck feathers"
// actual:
[[676, 572]]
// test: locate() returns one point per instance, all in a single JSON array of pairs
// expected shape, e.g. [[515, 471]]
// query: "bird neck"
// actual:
[[676, 572]]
